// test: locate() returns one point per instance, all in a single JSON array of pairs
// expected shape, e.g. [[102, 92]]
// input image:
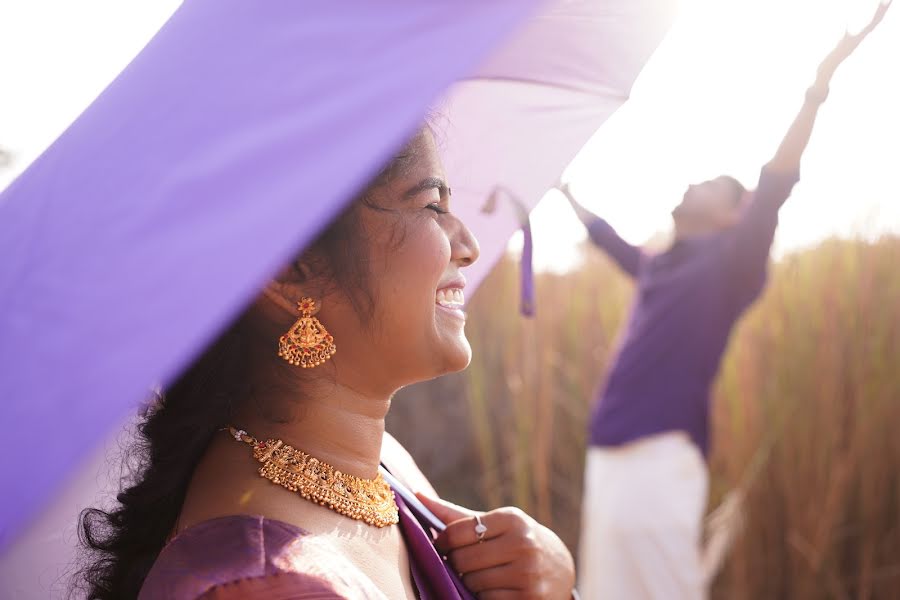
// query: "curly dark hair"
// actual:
[[178, 424]]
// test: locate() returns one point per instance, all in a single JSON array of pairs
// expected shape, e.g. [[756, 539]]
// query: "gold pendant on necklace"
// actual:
[[367, 500]]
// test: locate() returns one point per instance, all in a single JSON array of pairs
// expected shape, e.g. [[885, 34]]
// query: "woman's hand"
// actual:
[[847, 45], [516, 558]]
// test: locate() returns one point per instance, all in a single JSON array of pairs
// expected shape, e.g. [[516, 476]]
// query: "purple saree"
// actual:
[[246, 555]]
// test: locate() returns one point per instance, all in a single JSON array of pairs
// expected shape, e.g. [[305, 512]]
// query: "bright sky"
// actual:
[[56, 56], [716, 98]]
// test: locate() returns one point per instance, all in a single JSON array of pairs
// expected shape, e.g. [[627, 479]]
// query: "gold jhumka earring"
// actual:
[[307, 343]]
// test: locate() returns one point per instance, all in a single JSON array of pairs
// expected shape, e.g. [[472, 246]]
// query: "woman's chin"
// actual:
[[464, 360], [456, 357]]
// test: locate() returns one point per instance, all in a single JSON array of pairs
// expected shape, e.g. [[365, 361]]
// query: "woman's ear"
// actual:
[[290, 285], [298, 271], [280, 296]]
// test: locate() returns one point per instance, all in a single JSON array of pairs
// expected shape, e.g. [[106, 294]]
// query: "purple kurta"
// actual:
[[250, 555], [688, 300]]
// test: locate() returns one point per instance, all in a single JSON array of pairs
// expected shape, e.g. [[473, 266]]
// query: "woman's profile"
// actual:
[[260, 464]]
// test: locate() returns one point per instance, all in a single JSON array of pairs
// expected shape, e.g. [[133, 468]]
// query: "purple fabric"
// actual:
[[434, 577], [521, 118], [240, 547], [234, 136], [521, 210], [688, 300]]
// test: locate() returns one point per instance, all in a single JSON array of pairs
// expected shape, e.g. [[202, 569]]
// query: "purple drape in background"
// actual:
[[226, 144]]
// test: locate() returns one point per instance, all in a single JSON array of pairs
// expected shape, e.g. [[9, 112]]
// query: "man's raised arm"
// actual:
[[602, 234], [787, 158], [754, 233]]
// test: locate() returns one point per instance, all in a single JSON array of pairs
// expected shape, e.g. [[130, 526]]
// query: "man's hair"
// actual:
[[739, 189]]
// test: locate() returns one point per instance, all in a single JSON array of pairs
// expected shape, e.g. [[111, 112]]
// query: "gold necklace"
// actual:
[[367, 500]]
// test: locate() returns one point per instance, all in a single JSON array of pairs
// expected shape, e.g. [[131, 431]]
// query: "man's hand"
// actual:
[[517, 557], [583, 214], [787, 158], [847, 45]]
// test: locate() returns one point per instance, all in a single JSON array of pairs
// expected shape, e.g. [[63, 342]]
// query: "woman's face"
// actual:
[[417, 251]]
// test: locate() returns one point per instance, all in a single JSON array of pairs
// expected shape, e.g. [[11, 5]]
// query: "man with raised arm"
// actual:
[[645, 477]]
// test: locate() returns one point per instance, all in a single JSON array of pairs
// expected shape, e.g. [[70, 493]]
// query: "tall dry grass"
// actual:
[[807, 411], [811, 387]]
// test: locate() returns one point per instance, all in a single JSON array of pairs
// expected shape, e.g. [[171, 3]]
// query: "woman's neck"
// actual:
[[333, 423]]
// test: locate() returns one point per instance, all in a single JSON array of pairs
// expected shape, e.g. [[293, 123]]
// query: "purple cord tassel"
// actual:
[[527, 270], [526, 301]]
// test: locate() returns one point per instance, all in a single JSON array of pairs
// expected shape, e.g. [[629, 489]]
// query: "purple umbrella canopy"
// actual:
[[228, 143], [511, 129]]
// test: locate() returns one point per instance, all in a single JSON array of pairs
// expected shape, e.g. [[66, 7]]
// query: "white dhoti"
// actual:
[[642, 521]]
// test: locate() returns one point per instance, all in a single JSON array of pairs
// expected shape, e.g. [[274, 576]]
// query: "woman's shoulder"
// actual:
[[240, 556]]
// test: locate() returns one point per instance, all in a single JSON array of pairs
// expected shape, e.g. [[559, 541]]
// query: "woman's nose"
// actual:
[[465, 248]]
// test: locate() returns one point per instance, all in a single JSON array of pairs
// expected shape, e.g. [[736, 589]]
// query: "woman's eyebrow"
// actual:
[[429, 183]]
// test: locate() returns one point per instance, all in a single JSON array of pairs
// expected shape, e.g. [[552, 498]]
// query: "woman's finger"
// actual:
[[443, 510], [464, 533], [475, 557], [505, 577], [495, 523], [500, 595]]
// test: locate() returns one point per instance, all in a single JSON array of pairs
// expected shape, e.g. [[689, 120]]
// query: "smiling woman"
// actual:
[[418, 248], [376, 301]]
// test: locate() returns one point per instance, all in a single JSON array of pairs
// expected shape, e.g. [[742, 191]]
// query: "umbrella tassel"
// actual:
[[526, 294], [527, 270]]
